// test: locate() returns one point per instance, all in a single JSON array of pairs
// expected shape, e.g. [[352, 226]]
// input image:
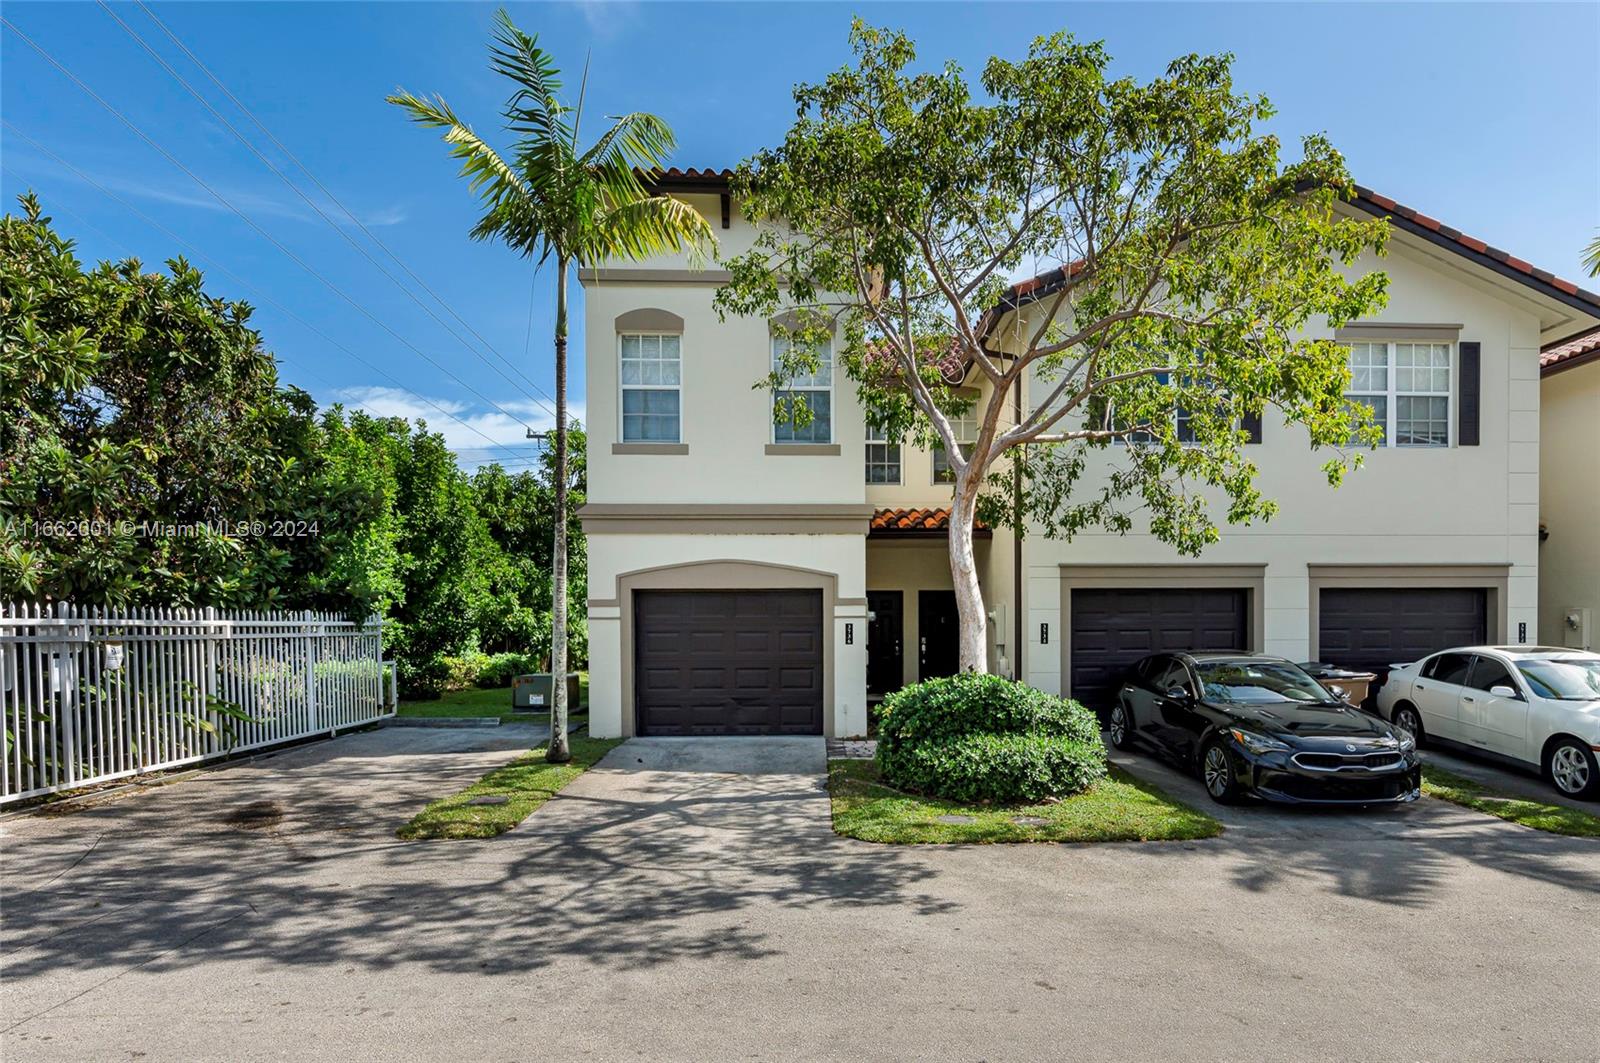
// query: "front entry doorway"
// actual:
[[938, 634], [885, 650]]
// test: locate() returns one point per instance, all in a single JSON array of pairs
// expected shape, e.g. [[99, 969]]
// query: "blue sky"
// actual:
[[1485, 116]]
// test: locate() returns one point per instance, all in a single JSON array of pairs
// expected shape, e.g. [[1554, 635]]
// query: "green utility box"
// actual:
[[533, 693]]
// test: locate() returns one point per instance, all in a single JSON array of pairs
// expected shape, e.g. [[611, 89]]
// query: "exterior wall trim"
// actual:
[[649, 448], [1384, 330], [588, 275], [725, 574], [803, 450], [1180, 575], [1490, 577], [600, 518], [649, 319]]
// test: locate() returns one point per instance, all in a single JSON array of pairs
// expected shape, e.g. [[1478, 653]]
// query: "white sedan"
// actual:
[[1535, 704]]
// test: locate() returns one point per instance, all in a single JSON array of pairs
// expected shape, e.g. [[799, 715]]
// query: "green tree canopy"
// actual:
[[1191, 258]]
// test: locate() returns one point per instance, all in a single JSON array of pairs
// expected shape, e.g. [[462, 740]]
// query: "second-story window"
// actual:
[[965, 427], [883, 458], [1407, 388], [651, 388], [815, 389]]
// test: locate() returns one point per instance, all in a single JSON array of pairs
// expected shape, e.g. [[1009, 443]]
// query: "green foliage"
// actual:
[[147, 452], [1118, 808], [977, 737], [138, 403], [1194, 260]]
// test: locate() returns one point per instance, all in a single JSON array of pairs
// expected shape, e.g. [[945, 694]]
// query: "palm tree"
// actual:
[[1591, 257], [580, 207]]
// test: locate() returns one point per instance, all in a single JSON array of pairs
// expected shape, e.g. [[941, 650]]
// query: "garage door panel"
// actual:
[[1373, 627], [1113, 628], [728, 662]]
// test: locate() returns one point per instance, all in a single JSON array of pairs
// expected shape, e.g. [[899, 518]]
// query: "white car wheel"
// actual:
[[1572, 768]]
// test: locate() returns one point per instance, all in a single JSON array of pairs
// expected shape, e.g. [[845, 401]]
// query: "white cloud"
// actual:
[[254, 203], [607, 19], [477, 434]]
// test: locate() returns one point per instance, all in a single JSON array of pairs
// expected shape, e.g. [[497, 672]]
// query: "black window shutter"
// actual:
[[1251, 423], [1468, 396]]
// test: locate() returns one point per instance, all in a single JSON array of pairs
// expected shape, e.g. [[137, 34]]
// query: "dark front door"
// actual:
[[1113, 629], [938, 635], [727, 662], [1371, 628], [885, 652]]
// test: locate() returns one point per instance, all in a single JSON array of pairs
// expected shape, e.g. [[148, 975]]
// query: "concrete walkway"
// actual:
[[687, 900]]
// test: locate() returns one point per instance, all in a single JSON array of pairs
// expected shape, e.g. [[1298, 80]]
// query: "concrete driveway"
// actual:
[[687, 900]]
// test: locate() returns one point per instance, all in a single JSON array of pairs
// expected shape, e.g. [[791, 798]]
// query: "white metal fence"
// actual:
[[89, 694]]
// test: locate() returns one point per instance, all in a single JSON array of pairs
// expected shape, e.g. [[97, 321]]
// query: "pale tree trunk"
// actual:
[[558, 752], [974, 618]]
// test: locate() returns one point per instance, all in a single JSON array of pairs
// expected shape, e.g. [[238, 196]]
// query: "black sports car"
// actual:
[[1251, 724]]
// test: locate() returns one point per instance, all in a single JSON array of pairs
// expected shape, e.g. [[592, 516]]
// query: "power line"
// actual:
[[131, 32], [219, 197], [203, 257], [325, 191]]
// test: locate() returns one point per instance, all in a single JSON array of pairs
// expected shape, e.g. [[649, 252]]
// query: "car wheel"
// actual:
[[1570, 765], [1216, 771], [1409, 720], [1121, 727]]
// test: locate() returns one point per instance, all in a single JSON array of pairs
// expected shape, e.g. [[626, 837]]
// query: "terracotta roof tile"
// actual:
[[1583, 349], [912, 520], [1365, 197]]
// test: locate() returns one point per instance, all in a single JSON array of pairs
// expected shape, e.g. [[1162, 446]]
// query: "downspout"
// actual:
[[1016, 539]]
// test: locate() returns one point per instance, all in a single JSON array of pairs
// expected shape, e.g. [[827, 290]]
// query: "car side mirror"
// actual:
[[1339, 692], [1502, 691], [1179, 694]]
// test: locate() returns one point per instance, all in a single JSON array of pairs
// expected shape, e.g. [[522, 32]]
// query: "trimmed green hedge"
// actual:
[[979, 737]]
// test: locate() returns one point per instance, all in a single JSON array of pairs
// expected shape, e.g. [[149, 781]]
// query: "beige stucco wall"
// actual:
[[1569, 501], [613, 557], [1408, 507]]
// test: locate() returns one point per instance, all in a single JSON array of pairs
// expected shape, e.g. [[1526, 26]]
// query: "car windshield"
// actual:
[[1572, 679], [1258, 681]]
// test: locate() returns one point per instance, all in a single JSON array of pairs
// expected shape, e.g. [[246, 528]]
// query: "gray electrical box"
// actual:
[[533, 693]]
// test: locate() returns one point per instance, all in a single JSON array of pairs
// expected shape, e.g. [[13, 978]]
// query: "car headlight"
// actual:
[[1258, 744], [1407, 742]]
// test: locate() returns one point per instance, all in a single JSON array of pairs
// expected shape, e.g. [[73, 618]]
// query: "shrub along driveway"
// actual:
[[688, 900]]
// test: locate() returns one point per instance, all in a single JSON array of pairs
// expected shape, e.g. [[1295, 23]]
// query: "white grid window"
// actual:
[[883, 458], [651, 388], [966, 431], [1407, 388], [816, 388]]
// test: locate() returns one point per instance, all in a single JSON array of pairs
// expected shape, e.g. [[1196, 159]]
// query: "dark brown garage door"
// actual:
[[1111, 629], [728, 662], [1372, 628]]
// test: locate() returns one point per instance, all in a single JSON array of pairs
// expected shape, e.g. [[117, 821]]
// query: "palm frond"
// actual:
[[535, 109], [637, 140], [1591, 257], [640, 228], [480, 163]]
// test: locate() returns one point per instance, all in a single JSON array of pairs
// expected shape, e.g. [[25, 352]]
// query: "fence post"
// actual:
[[63, 664], [312, 721]]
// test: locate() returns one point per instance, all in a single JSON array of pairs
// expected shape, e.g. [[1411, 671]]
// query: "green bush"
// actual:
[[462, 672], [498, 670], [424, 680], [979, 737]]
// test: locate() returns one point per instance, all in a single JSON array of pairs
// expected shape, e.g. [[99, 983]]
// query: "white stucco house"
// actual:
[[746, 577], [1569, 493]]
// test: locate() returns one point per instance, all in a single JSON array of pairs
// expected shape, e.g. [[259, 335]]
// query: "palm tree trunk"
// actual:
[[558, 752]]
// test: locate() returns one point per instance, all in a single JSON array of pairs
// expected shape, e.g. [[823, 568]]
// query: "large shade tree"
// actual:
[[551, 198], [1191, 257]]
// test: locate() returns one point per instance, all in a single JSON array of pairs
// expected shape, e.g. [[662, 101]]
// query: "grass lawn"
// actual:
[[1469, 793], [494, 702], [525, 783], [1119, 809]]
